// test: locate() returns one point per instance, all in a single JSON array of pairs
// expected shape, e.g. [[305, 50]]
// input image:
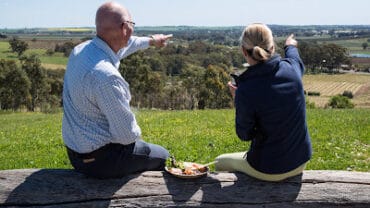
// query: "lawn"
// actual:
[[340, 138]]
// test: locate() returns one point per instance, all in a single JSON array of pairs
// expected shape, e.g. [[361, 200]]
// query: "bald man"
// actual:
[[99, 129]]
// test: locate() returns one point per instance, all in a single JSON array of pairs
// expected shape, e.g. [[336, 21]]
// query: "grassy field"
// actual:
[[56, 61], [340, 138], [353, 45]]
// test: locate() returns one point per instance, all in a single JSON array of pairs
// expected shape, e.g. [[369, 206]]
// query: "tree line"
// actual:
[[29, 86], [183, 75]]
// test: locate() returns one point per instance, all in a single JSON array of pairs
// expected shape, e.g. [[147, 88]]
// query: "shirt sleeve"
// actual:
[[291, 52], [114, 101], [134, 44]]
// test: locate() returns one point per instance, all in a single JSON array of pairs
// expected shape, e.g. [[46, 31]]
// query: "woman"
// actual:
[[270, 110]]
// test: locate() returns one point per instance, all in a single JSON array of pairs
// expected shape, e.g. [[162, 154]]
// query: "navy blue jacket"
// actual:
[[271, 112]]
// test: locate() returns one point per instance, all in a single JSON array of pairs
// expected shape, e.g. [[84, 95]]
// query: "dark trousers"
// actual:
[[117, 160]]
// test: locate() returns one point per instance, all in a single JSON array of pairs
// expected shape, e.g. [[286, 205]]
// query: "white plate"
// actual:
[[182, 175]]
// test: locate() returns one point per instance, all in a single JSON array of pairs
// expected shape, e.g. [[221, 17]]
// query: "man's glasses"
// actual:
[[130, 22]]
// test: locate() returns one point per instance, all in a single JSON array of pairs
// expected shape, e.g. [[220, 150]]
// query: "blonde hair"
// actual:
[[258, 41]]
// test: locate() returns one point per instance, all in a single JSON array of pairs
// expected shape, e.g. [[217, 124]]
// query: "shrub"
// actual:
[[65, 48], [310, 105], [18, 46], [348, 94], [340, 101], [49, 52], [313, 93]]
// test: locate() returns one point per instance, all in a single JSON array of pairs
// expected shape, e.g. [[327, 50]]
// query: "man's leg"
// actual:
[[116, 160], [147, 156]]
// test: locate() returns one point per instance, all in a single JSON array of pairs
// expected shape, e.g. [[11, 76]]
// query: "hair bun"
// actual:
[[258, 39]]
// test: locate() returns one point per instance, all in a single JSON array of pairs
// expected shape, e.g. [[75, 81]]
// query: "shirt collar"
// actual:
[[107, 50]]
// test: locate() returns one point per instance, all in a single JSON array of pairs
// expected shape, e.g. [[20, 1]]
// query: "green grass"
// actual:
[[56, 58], [31, 140], [353, 45], [340, 138]]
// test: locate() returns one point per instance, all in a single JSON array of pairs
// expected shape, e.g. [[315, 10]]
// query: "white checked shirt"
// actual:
[[96, 98]]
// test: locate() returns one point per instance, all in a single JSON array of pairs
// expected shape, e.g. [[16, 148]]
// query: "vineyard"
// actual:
[[330, 85]]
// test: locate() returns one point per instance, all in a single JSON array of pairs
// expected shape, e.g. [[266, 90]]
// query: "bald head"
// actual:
[[109, 17]]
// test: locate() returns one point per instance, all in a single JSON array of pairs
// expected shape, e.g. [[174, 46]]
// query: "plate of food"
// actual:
[[187, 169]]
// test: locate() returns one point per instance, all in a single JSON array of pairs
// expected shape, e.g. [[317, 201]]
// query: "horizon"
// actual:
[[200, 26], [205, 13]]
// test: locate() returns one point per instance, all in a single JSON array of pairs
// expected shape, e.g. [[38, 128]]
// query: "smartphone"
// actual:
[[233, 78]]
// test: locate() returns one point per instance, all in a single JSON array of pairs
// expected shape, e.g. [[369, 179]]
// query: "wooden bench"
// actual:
[[66, 188]]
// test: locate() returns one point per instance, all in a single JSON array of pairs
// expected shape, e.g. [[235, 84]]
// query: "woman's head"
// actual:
[[257, 42]]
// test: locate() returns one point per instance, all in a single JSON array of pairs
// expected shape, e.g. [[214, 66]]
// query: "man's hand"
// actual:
[[159, 40], [291, 41]]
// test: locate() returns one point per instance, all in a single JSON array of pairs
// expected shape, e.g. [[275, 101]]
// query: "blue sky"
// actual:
[[81, 13]]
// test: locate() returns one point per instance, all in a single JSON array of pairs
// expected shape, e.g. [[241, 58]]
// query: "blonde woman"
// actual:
[[270, 110]]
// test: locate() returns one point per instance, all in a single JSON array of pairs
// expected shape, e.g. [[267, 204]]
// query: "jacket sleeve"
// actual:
[[244, 118], [292, 54]]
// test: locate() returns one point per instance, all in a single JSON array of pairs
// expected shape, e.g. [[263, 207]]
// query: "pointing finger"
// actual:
[[168, 36]]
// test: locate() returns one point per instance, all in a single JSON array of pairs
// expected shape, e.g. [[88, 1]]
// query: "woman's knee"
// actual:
[[229, 161]]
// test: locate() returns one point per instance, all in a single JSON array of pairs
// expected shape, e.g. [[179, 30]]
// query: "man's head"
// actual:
[[114, 25]]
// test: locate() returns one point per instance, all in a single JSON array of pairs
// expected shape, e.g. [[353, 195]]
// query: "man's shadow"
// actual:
[[235, 189], [64, 186]]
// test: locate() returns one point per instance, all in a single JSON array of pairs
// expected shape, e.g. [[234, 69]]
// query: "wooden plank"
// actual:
[[66, 188]]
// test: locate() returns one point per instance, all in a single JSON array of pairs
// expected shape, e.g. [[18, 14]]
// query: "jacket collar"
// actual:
[[261, 69], [114, 58]]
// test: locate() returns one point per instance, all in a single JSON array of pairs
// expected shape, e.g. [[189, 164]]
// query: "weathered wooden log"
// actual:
[[66, 188]]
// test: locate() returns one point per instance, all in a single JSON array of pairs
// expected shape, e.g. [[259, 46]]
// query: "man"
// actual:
[[99, 129]]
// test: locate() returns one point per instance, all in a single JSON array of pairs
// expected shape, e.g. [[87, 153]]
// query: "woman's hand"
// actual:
[[232, 89], [291, 41]]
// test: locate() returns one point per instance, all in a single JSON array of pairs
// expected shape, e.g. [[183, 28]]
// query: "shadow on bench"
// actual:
[[66, 188]]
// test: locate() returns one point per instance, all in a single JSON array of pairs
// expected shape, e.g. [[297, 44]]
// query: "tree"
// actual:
[[65, 48], [365, 45], [14, 86], [175, 64], [54, 79], [18, 46], [216, 59], [216, 93], [145, 83], [193, 82], [39, 89], [156, 63], [334, 55], [318, 57]]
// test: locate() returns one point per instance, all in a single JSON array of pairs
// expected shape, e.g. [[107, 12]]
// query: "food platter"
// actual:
[[191, 170]]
